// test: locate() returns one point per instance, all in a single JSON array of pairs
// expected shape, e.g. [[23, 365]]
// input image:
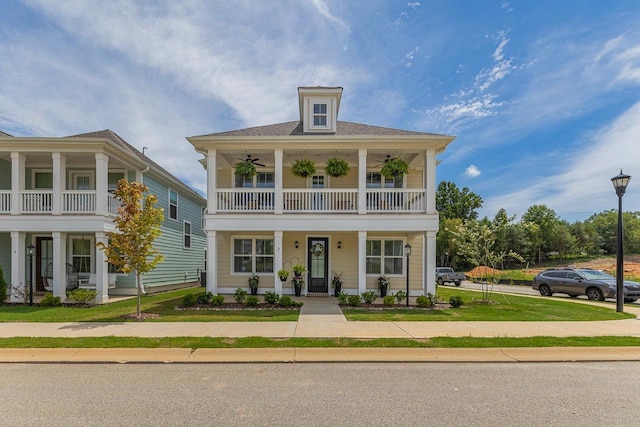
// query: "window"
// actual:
[[385, 257], [186, 231], [203, 212], [253, 255], [112, 180], [261, 180], [42, 180], [375, 180], [319, 114], [173, 204], [81, 254]]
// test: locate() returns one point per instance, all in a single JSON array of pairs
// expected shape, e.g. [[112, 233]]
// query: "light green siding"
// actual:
[[5, 256], [5, 175]]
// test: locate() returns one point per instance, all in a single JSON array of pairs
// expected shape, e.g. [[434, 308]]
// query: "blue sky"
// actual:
[[544, 96]]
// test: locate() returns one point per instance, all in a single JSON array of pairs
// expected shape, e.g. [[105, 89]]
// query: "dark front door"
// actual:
[[318, 263], [44, 260]]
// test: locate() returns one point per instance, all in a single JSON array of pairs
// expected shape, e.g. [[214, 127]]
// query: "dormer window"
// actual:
[[319, 114]]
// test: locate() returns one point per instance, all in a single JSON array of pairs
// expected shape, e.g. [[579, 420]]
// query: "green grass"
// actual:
[[502, 308], [260, 342], [161, 303]]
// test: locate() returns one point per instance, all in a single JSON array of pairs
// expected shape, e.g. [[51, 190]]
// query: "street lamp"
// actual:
[[620, 183], [407, 253], [30, 251]]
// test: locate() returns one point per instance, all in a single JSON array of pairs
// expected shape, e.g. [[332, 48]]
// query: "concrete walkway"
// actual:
[[322, 318]]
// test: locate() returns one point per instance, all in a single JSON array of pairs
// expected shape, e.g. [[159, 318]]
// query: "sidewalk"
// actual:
[[322, 318]]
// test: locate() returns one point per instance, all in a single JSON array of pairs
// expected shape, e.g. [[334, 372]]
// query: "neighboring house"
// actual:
[[356, 225], [57, 194]]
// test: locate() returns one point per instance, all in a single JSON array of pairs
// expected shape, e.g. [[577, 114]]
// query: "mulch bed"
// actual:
[[230, 306], [382, 307]]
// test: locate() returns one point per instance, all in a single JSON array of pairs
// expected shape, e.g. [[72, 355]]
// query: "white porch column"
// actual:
[[277, 261], [430, 181], [212, 257], [279, 172], [362, 262], [59, 181], [362, 181], [102, 184], [18, 161], [59, 264], [429, 262], [212, 184], [102, 270], [18, 276]]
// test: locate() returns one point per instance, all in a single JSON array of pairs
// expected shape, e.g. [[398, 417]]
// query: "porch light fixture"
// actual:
[[620, 183], [339, 244], [296, 244], [30, 251], [407, 253]]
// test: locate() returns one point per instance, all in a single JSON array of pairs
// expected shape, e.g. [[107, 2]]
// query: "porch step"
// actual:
[[317, 294]]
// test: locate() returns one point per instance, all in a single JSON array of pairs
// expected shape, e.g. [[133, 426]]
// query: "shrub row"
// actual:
[[241, 297]]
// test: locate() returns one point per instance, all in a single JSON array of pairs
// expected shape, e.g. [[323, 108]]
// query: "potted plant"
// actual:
[[336, 282], [383, 285], [245, 168], [283, 274], [336, 167], [303, 168], [298, 282], [394, 167], [253, 283]]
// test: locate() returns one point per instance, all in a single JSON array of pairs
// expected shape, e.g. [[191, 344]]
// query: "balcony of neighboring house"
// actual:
[[73, 202]]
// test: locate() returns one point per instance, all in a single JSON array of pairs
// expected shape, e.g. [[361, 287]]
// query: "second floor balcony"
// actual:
[[72, 202]]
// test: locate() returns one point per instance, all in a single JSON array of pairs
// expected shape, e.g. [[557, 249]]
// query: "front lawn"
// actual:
[[161, 303], [502, 308]]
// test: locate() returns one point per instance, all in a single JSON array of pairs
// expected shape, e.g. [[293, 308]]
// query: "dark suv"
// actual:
[[595, 284]]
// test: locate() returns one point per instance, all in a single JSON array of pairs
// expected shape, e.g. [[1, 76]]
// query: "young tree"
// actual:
[[138, 223]]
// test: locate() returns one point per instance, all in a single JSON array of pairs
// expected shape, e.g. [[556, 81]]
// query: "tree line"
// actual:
[[538, 236]]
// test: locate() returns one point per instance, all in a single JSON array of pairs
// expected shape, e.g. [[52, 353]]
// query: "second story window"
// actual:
[[173, 204], [261, 180], [187, 234], [319, 114]]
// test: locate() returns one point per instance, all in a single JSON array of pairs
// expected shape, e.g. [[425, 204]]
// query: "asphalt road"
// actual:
[[361, 394]]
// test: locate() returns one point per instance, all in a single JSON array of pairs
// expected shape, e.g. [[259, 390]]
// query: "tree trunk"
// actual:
[[139, 293]]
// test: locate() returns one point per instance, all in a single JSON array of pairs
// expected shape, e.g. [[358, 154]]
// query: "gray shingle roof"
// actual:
[[295, 129]]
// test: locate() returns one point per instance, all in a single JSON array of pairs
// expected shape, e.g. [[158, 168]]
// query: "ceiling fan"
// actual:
[[249, 159], [386, 160]]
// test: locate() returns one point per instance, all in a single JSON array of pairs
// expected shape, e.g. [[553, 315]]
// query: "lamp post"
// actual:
[[407, 253], [620, 183], [30, 250]]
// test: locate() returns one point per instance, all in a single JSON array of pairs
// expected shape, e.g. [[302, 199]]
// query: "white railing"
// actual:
[[395, 200], [78, 202], [320, 200], [245, 200], [36, 201], [112, 204], [5, 201]]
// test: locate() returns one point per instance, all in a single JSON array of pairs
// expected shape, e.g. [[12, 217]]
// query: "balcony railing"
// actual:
[[78, 202], [36, 201], [321, 200], [5, 201], [40, 202]]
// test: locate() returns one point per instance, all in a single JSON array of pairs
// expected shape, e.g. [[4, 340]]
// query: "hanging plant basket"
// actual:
[[336, 167], [245, 168], [303, 168], [394, 168]]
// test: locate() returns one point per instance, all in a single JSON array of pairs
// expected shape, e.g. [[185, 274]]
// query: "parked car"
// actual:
[[595, 284], [447, 275]]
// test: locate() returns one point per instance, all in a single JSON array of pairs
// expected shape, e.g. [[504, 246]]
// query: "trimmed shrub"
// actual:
[[400, 296], [369, 297], [271, 297], [217, 300], [354, 300], [389, 300], [456, 301], [286, 301], [82, 296], [423, 301], [205, 298], [50, 301], [252, 300], [342, 298], [189, 300], [240, 295]]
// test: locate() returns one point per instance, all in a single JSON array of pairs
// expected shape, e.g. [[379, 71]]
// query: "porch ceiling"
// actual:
[[374, 158]]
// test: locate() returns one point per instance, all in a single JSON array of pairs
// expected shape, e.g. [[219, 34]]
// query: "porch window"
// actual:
[[81, 254], [112, 180], [173, 204], [43, 180], [186, 231], [253, 255], [385, 257], [261, 180]]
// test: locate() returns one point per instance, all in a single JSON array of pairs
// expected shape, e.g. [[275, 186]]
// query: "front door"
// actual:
[[44, 260], [318, 262]]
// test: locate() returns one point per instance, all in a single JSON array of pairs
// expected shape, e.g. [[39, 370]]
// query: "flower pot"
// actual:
[[383, 290], [298, 290], [254, 291], [338, 288]]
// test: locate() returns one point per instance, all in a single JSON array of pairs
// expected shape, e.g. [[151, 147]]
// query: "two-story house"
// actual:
[[358, 225], [56, 198]]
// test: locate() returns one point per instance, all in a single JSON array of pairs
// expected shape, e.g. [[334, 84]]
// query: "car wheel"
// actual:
[[630, 300], [457, 282], [545, 291], [595, 294], [440, 281]]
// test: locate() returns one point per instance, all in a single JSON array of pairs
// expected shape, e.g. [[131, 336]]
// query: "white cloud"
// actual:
[[472, 171]]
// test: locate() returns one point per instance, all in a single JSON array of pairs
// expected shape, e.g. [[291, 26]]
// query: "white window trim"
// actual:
[[122, 171], [33, 178], [382, 257], [331, 121], [253, 255], [169, 190], [254, 179], [377, 171], [74, 173], [92, 245], [184, 234]]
